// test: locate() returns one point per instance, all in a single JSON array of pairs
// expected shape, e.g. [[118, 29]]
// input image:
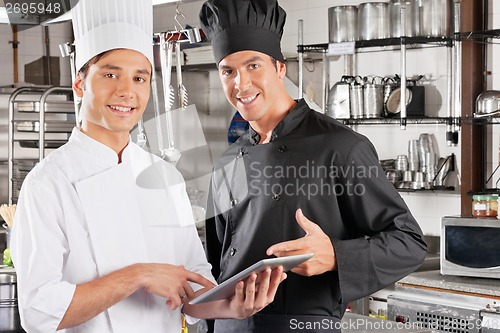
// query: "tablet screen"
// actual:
[[226, 288]]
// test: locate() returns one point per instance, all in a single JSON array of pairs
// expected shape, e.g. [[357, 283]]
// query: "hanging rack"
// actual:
[[179, 34]]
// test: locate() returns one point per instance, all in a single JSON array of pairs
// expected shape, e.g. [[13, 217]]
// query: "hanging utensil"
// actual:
[[171, 154], [141, 136], [182, 95]]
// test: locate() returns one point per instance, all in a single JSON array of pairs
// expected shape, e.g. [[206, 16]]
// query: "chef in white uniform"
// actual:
[[104, 239]]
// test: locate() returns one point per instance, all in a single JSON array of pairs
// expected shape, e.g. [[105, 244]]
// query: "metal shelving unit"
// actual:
[[28, 140], [403, 43]]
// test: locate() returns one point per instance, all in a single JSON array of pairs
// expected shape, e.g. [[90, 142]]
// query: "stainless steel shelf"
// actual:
[[397, 120], [384, 42], [480, 35]]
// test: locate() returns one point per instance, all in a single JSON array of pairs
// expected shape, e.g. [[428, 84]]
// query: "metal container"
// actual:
[[9, 312], [8, 232], [488, 103], [373, 20], [343, 24], [411, 15], [356, 100], [373, 96], [338, 104], [436, 18]]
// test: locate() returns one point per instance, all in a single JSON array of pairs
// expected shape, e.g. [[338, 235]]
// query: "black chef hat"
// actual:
[[239, 25]]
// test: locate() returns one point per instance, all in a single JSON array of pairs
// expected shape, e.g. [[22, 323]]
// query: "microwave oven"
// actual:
[[470, 247]]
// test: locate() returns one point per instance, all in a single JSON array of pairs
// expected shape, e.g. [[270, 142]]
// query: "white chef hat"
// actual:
[[103, 25]]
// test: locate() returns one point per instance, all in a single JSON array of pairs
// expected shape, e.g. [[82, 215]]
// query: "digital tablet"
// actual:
[[226, 288]]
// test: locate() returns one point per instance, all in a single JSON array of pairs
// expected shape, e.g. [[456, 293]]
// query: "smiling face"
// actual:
[[114, 94], [253, 84]]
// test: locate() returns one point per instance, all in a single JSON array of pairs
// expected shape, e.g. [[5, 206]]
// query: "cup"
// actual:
[[408, 176], [419, 177], [402, 163], [413, 161]]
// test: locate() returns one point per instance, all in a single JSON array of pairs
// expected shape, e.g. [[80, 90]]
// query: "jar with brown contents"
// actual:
[[485, 205]]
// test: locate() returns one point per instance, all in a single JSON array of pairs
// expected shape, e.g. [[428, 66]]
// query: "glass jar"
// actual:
[[485, 205]]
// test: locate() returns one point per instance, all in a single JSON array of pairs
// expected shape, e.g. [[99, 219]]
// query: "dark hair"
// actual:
[[274, 61], [85, 68]]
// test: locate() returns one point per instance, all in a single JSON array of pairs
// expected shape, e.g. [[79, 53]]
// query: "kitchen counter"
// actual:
[[434, 279], [352, 323]]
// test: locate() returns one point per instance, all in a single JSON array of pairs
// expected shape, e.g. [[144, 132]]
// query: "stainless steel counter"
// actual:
[[434, 279]]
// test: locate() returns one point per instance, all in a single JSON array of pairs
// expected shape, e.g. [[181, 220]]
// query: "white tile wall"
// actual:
[[31, 47]]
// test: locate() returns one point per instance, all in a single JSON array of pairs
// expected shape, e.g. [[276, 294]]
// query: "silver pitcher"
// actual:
[[338, 104]]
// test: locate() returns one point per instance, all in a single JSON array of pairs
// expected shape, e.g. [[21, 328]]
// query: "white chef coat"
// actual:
[[82, 215]]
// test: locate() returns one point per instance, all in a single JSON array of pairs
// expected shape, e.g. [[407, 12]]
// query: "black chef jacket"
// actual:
[[332, 173]]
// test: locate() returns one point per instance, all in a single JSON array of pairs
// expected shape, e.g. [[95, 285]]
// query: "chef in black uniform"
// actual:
[[297, 182]]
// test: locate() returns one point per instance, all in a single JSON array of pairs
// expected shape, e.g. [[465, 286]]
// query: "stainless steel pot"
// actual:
[[9, 312], [436, 17], [343, 24], [373, 20], [412, 23]]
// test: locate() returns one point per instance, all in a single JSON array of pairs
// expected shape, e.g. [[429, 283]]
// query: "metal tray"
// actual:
[[52, 144], [52, 107], [25, 165], [50, 127]]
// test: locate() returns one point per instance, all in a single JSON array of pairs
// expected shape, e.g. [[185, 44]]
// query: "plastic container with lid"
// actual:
[[485, 205]]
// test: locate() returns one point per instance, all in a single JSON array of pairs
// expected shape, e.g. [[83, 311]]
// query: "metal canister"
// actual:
[[373, 95], [436, 17], [411, 27], [356, 99], [373, 20], [343, 24]]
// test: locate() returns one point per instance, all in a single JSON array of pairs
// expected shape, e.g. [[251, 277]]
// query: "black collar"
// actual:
[[285, 126]]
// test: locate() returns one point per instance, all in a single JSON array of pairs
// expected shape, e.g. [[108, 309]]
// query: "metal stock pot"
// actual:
[[412, 18], [343, 24], [9, 312], [436, 17], [373, 20]]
